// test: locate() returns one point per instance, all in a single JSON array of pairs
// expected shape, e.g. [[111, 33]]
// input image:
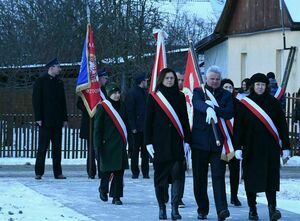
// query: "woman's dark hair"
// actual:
[[247, 81], [162, 75]]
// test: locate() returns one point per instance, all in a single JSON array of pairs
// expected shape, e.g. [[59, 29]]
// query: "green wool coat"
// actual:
[[109, 146]]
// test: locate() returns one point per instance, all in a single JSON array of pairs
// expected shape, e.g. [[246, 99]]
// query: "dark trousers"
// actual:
[[139, 145], [163, 174], [47, 134], [234, 169], [116, 186], [200, 161], [182, 187], [91, 162], [271, 197]]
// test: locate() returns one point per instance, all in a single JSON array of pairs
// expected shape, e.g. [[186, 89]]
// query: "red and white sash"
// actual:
[[228, 150], [116, 118], [263, 117], [279, 93], [169, 110]]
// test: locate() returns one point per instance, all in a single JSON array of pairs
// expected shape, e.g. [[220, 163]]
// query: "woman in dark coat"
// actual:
[[110, 147], [258, 148], [164, 142]]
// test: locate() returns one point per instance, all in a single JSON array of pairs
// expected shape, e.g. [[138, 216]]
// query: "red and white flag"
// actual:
[[159, 64], [160, 61], [191, 81]]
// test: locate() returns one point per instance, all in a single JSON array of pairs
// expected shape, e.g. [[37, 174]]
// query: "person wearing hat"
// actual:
[[258, 146], [110, 147], [233, 164], [50, 112], [273, 87], [136, 107], [103, 79]]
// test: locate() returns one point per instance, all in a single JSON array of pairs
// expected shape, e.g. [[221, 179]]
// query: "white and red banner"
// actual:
[[191, 81], [116, 118], [263, 117], [88, 86], [228, 150], [279, 93], [159, 64]]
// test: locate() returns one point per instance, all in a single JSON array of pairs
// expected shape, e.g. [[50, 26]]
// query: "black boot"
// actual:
[[162, 211], [274, 213], [159, 192], [175, 213], [253, 214], [223, 214]]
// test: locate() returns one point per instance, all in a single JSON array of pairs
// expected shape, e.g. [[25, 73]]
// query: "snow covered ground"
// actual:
[[24, 198]]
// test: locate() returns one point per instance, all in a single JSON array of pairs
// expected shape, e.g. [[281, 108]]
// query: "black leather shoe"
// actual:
[[92, 177], [38, 177], [60, 177], [202, 216], [146, 177], [135, 176], [223, 214], [103, 196], [253, 215], [274, 213], [175, 213], [117, 201], [236, 202]]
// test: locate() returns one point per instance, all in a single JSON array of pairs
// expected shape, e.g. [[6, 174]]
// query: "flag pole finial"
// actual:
[[88, 12]]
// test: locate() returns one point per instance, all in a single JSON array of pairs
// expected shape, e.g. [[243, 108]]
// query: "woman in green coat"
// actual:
[[110, 148]]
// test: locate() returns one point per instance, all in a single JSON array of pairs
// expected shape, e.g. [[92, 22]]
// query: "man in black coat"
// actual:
[[204, 148], [50, 111], [136, 107]]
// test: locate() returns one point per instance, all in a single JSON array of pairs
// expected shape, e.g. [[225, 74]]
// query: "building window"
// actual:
[[243, 65], [279, 64]]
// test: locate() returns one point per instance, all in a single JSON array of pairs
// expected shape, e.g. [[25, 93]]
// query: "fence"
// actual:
[[19, 135]]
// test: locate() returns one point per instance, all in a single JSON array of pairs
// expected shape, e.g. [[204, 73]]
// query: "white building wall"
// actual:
[[218, 55], [262, 53]]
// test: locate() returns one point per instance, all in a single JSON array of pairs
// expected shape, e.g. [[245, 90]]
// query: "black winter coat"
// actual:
[[202, 133], [159, 130], [85, 120], [49, 101], [261, 153], [136, 107], [108, 143]]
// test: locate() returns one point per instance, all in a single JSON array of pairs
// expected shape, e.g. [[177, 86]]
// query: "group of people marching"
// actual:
[[252, 122], [259, 136]]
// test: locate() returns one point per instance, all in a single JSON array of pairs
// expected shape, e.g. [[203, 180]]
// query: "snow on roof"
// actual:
[[293, 7]]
